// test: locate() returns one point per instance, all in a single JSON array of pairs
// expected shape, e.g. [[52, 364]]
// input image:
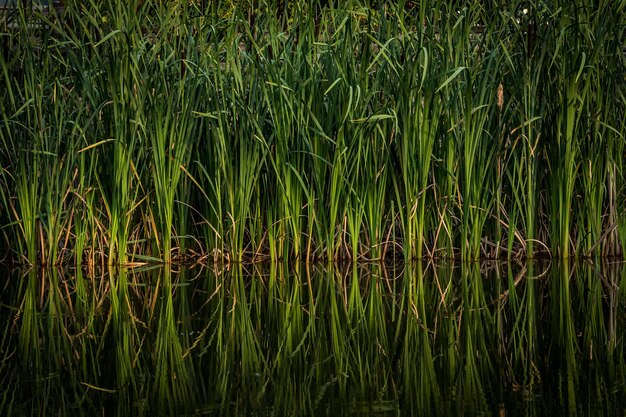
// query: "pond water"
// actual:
[[422, 339]]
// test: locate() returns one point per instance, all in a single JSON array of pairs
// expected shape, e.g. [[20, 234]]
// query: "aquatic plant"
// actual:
[[144, 131]]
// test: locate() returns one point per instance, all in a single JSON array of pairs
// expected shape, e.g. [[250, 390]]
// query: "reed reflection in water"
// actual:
[[419, 339]]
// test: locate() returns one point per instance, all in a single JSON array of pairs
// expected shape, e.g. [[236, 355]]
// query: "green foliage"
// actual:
[[244, 131]]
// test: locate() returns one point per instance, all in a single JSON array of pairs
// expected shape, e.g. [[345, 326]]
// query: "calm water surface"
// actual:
[[471, 339]]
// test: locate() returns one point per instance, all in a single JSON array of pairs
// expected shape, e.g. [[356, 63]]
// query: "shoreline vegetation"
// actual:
[[134, 132]]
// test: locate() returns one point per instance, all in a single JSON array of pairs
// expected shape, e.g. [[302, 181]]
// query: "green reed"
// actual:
[[135, 132], [169, 127], [525, 76]]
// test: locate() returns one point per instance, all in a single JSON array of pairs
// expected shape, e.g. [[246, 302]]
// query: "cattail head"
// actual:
[[500, 96]]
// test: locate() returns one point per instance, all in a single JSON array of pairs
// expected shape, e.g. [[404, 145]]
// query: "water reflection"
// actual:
[[468, 339]]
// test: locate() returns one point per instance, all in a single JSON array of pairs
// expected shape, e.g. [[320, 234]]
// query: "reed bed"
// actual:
[[147, 131], [468, 338]]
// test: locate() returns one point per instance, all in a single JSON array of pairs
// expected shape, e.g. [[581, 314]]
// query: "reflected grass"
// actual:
[[428, 338]]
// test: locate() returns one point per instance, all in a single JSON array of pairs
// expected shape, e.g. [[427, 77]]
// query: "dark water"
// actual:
[[471, 339]]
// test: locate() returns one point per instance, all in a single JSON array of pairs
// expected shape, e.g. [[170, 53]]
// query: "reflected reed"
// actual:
[[422, 339]]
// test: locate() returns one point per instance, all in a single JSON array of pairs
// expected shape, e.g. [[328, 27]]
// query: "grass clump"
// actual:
[[143, 131]]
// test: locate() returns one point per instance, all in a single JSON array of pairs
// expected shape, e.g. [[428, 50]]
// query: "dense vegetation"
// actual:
[[134, 131]]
